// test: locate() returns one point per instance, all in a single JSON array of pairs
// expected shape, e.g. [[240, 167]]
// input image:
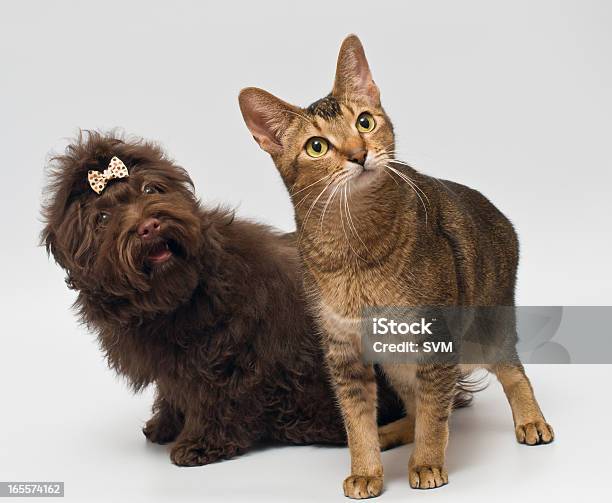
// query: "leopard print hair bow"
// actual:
[[98, 181]]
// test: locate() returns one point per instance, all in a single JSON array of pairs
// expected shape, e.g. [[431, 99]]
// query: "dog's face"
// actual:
[[140, 239]]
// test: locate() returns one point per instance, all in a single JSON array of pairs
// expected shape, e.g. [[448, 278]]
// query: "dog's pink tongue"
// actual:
[[160, 254]]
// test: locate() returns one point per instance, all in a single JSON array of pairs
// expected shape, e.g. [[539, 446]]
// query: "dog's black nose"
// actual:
[[149, 228]]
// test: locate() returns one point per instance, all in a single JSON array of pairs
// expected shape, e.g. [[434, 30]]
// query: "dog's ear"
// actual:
[[267, 117], [48, 239], [55, 205], [67, 236]]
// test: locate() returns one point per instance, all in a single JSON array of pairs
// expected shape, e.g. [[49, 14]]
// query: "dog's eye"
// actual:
[[103, 217], [150, 189]]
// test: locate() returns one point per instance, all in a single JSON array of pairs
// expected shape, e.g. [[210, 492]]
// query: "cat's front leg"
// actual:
[[529, 424], [355, 387], [434, 392]]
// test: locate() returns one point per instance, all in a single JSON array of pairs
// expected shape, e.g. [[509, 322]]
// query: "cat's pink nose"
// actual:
[[358, 156]]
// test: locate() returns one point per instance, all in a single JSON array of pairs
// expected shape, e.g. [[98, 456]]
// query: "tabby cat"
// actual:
[[375, 232]]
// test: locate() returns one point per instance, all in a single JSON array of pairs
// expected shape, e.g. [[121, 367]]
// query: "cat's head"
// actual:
[[345, 136]]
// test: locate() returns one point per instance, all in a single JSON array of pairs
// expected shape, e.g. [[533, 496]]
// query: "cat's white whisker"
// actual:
[[348, 240], [390, 176], [350, 217], [348, 214], [313, 205], [402, 163], [411, 185], [415, 184], [308, 186], [330, 198], [303, 199], [301, 116], [386, 149], [437, 180]]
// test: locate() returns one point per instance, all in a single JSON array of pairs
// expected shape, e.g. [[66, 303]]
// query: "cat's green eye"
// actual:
[[365, 123], [317, 147]]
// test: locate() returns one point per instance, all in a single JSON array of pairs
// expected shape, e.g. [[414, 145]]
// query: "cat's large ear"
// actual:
[[353, 77], [266, 116]]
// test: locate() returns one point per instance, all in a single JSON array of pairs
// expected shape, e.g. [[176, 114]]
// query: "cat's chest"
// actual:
[[348, 293]]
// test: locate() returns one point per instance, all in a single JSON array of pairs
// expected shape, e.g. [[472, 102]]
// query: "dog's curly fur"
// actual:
[[220, 328]]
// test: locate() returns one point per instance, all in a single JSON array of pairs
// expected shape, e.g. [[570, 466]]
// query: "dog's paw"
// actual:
[[535, 433], [189, 453], [159, 431], [359, 487], [427, 477]]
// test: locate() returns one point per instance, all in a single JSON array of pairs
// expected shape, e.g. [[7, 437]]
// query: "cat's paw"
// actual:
[[360, 487], [534, 433], [427, 477]]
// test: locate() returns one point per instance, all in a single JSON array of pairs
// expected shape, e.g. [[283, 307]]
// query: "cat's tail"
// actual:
[[401, 431], [466, 387]]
